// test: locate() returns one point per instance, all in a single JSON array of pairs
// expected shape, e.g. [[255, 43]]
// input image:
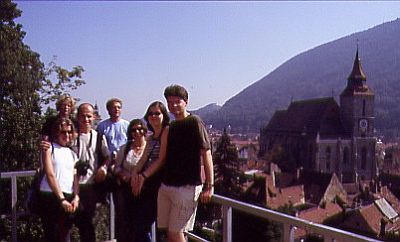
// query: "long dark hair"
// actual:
[[58, 124], [164, 112]]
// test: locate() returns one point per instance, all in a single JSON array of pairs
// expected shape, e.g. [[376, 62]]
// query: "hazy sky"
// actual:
[[133, 50]]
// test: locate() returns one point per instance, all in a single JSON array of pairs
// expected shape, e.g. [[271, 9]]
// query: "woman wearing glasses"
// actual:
[[127, 158], [145, 212], [59, 187]]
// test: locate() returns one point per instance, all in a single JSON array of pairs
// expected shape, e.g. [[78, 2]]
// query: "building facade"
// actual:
[[318, 134]]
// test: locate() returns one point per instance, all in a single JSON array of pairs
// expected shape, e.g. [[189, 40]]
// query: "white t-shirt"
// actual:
[[63, 160], [85, 148]]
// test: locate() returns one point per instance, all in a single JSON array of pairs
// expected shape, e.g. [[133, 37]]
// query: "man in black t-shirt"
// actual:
[[188, 146]]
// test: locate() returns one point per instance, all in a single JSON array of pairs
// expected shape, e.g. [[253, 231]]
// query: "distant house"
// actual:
[[320, 215], [305, 187], [321, 188], [375, 219], [320, 135]]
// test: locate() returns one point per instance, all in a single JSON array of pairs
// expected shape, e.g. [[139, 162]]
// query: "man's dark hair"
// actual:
[[177, 91], [111, 101]]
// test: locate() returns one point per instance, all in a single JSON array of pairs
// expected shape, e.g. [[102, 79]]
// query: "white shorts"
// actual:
[[176, 207]]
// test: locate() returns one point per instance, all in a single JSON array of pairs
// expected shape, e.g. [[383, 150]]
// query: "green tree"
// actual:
[[59, 81], [25, 86], [226, 168], [21, 77]]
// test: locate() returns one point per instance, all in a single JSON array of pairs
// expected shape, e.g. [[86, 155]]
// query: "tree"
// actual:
[[65, 81], [226, 168], [25, 85], [21, 78]]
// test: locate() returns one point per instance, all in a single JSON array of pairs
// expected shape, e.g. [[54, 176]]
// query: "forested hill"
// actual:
[[320, 72]]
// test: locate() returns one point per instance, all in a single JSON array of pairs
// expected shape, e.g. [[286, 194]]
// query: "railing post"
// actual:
[[112, 217], [14, 208], [227, 223], [288, 232], [153, 232]]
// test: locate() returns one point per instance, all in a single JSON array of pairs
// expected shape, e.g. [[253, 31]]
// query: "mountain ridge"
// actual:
[[322, 71]]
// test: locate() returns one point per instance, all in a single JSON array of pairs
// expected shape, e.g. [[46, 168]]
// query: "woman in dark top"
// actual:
[[145, 212]]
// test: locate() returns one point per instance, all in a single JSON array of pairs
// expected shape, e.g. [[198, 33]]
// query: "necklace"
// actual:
[[137, 149]]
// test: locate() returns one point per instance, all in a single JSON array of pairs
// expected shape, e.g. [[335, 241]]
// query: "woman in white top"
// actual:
[[59, 186], [127, 158]]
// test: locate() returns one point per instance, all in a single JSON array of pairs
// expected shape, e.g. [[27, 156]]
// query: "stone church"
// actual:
[[320, 135]]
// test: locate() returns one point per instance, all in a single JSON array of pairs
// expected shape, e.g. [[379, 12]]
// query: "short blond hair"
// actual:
[[65, 98]]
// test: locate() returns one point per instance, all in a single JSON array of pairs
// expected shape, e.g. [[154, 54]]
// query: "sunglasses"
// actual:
[[65, 132], [137, 129], [154, 113]]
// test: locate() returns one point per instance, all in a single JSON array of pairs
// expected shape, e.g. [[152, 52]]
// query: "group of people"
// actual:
[[153, 176]]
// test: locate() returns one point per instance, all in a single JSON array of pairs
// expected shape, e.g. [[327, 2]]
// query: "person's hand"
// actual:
[[67, 206], [137, 184], [45, 145], [124, 176], [206, 194], [75, 203], [101, 174]]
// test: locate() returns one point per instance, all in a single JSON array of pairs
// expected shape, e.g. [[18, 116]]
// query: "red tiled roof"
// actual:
[[289, 195], [391, 198], [317, 215], [368, 219]]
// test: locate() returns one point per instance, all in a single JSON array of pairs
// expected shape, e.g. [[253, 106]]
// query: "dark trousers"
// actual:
[[56, 222], [124, 204], [84, 217], [144, 212]]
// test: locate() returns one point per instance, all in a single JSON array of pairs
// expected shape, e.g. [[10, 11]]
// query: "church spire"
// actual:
[[357, 73]]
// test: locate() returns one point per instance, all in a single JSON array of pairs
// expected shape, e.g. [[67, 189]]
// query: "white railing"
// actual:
[[290, 223]]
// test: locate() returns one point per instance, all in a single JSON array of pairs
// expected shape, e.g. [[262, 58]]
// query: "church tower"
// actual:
[[357, 103]]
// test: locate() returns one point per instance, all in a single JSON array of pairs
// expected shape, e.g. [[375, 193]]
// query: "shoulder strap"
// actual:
[[99, 149]]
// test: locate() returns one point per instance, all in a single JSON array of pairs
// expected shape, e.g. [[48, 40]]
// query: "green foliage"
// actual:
[[60, 81], [21, 77], [25, 85], [281, 157], [287, 209], [226, 168], [250, 228]]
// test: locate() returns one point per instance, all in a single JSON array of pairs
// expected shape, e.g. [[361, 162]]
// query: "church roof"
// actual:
[[357, 73], [309, 117], [356, 84]]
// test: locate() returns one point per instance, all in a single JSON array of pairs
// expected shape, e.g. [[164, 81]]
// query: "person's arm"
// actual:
[[101, 171], [75, 201], [138, 179], [52, 180], [118, 163], [208, 188]]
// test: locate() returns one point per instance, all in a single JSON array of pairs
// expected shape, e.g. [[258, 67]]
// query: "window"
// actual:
[[363, 109], [346, 155], [363, 158], [328, 158]]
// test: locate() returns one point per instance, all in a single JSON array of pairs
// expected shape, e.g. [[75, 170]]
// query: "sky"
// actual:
[[133, 50]]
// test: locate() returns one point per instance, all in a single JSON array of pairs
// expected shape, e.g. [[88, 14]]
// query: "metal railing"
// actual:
[[290, 223]]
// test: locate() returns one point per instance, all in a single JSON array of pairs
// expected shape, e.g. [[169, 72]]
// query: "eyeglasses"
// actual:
[[65, 132], [154, 113]]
